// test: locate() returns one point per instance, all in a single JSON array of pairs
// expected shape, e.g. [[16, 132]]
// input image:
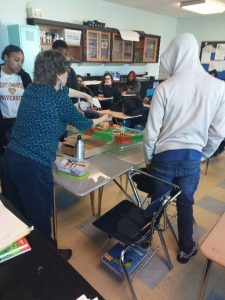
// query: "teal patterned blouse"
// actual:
[[42, 118]]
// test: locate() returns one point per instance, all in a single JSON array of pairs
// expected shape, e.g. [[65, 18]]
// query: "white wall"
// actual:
[[116, 16], [205, 28]]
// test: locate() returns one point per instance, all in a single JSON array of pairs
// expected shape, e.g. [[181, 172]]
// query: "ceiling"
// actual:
[[164, 7]]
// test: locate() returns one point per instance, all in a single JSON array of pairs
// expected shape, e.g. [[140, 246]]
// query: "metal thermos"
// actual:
[[79, 149]]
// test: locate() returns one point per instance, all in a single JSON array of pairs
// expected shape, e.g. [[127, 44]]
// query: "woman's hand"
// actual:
[[89, 100], [103, 118], [77, 94]]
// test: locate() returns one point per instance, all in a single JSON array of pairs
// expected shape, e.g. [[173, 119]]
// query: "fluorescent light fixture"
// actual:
[[203, 7]]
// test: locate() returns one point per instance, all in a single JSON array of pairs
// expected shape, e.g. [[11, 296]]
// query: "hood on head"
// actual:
[[181, 56]]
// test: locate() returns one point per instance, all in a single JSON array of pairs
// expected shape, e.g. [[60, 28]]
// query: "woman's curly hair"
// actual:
[[48, 65]]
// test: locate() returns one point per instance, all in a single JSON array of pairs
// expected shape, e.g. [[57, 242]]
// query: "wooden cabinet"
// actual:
[[71, 33], [122, 51], [147, 49], [87, 44], [97, 46]]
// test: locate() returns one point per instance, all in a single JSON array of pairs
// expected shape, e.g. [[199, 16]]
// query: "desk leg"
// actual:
[[100, 194], [205, 275], [92, 199], [54, 216]]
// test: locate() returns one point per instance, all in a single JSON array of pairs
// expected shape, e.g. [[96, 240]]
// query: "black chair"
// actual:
[[130, 224]]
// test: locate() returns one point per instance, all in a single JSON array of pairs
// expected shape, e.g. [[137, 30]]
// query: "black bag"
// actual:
[[132, 107]]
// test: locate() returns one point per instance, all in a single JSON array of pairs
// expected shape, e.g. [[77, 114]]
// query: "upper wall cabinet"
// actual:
[[71, 33], [92, 44], [147, 49], [122, 51], [97, 46]]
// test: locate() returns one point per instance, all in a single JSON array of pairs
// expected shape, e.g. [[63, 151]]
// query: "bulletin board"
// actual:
[[212, 57]]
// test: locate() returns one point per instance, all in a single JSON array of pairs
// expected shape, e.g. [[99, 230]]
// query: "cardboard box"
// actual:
[[71, 37]]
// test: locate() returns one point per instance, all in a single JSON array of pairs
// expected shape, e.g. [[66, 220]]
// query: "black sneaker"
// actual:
[[65, 253], [183, 257]]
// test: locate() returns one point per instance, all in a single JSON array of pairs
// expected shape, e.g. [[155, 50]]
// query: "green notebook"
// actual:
[[70, 176]]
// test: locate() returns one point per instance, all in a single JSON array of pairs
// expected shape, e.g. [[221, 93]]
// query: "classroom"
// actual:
[[115, 39]]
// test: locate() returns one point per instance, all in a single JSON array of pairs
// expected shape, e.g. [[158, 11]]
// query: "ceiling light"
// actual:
[[203, 7]]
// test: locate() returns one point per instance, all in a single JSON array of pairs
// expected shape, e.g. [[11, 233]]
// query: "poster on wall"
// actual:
[[212, 57]]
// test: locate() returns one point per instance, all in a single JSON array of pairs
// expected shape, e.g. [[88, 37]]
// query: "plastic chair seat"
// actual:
[[124, 221]]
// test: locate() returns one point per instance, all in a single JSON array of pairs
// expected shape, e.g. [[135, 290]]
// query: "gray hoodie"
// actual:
[[188, 109]]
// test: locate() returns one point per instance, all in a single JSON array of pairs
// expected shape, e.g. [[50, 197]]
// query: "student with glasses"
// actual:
[[108, 89]]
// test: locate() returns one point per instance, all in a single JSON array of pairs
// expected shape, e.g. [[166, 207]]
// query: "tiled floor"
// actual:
[[154, 282]]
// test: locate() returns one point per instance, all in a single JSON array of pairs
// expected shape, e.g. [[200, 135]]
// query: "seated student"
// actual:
[[133, 86], [132, 106], [108, 89], [82, 87]]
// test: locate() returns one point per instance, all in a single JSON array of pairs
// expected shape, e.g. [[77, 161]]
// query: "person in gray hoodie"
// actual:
[[186, 124]]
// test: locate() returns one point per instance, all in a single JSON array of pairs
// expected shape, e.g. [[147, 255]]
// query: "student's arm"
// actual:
[[78, 94], [99, 120], [153, 125]]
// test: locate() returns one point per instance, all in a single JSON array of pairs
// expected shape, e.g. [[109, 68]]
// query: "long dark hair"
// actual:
[[10, 49], [48, 65], [131, 82]]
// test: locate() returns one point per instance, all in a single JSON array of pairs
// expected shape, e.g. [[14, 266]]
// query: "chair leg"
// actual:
[[122, 256], [169, 263], [92, 199], [100, 194], [171, 229], [207, 165], [205, 276]]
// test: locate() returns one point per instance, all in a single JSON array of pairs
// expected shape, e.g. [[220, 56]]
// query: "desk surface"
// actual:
[[132, 153], [41, 274], [118, 115], [103, 168], [128, 95], [92, 82], [103, 98]]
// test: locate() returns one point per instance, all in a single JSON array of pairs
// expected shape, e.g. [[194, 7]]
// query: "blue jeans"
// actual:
[[184, 172]]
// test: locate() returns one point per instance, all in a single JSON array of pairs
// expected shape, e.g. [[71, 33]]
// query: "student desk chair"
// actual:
[[213, 248]]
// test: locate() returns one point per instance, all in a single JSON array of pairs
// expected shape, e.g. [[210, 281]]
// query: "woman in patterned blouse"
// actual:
[[43, 115]]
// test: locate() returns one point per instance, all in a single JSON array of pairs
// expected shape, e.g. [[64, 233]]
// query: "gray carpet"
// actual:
[[211, 204], [154, 271], [222, 184], [92, 232], [214, 296]]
